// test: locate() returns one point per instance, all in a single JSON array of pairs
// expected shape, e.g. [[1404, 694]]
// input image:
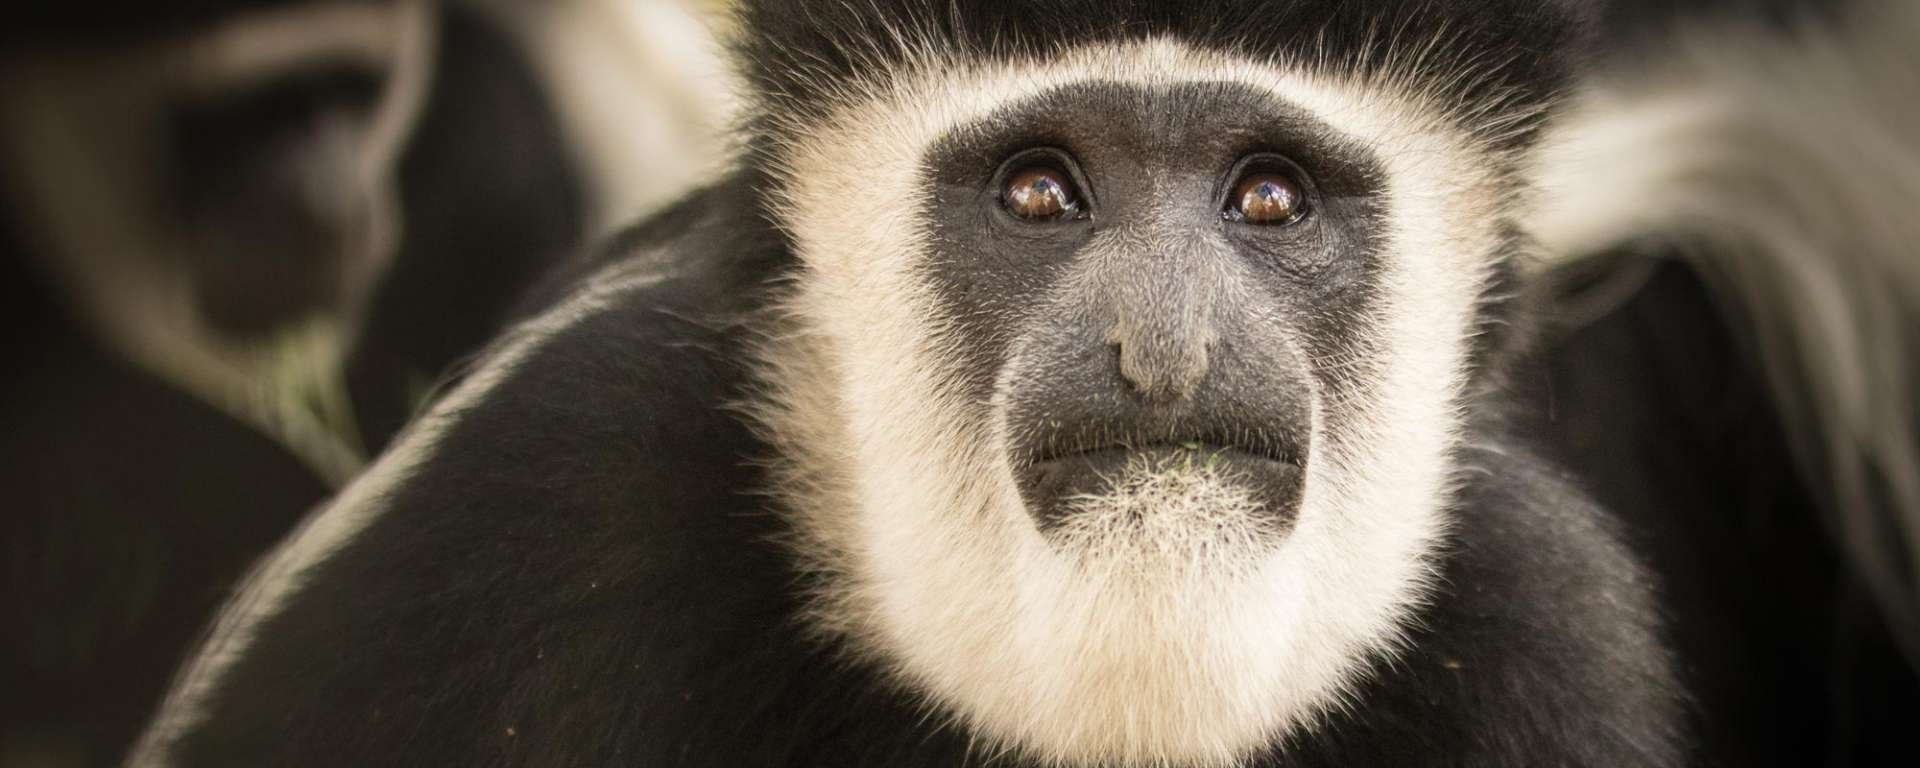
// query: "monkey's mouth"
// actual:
[[1061, 477]]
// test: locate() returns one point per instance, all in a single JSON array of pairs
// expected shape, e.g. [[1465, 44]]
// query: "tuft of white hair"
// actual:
[[1163, 522]]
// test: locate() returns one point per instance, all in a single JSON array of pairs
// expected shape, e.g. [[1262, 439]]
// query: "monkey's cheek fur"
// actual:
[[1142, 480]]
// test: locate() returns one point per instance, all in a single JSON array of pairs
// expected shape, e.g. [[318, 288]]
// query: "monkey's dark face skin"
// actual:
[[1153, 319]]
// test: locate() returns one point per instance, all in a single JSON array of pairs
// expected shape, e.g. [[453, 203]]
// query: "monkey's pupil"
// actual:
[[1267, 199], [1038, 193]]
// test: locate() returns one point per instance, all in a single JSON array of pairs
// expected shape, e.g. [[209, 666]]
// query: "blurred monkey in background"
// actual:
[[243, 241]]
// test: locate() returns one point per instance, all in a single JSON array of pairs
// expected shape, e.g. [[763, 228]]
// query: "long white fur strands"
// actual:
[[1787, 167], [907, 507]]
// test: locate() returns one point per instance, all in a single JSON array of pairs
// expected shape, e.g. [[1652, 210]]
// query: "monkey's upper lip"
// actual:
[[1280, 451]]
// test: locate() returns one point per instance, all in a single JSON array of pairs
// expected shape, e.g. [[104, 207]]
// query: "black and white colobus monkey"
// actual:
[[1056, 383]]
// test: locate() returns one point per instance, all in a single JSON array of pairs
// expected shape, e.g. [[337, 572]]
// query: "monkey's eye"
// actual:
[[1040, 193], [1266, 197]]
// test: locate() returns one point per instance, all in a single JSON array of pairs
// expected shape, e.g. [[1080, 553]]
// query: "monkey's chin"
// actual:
[[1177, 502]]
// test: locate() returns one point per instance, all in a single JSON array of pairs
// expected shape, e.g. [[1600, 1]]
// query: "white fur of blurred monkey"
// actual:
[[1769, 157], [644, 93]]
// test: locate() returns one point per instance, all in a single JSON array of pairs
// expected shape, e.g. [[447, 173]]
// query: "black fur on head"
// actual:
[[1493, 63]]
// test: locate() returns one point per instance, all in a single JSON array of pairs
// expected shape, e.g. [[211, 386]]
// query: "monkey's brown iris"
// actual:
[[1267, 198], [1039, 193]]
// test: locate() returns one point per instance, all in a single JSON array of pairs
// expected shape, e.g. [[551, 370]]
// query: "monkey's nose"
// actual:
[[1162, 367]]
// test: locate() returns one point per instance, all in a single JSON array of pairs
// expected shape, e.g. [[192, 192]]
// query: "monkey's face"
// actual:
[[1133, 379], [1152, 285]]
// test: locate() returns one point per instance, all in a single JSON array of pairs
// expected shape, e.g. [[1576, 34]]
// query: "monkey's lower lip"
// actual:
[[1049, 483]]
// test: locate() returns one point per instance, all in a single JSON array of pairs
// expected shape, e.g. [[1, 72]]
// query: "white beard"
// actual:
[[1167, 525]]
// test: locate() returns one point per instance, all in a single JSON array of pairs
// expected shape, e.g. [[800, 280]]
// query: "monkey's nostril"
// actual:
[[1162, 370]]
